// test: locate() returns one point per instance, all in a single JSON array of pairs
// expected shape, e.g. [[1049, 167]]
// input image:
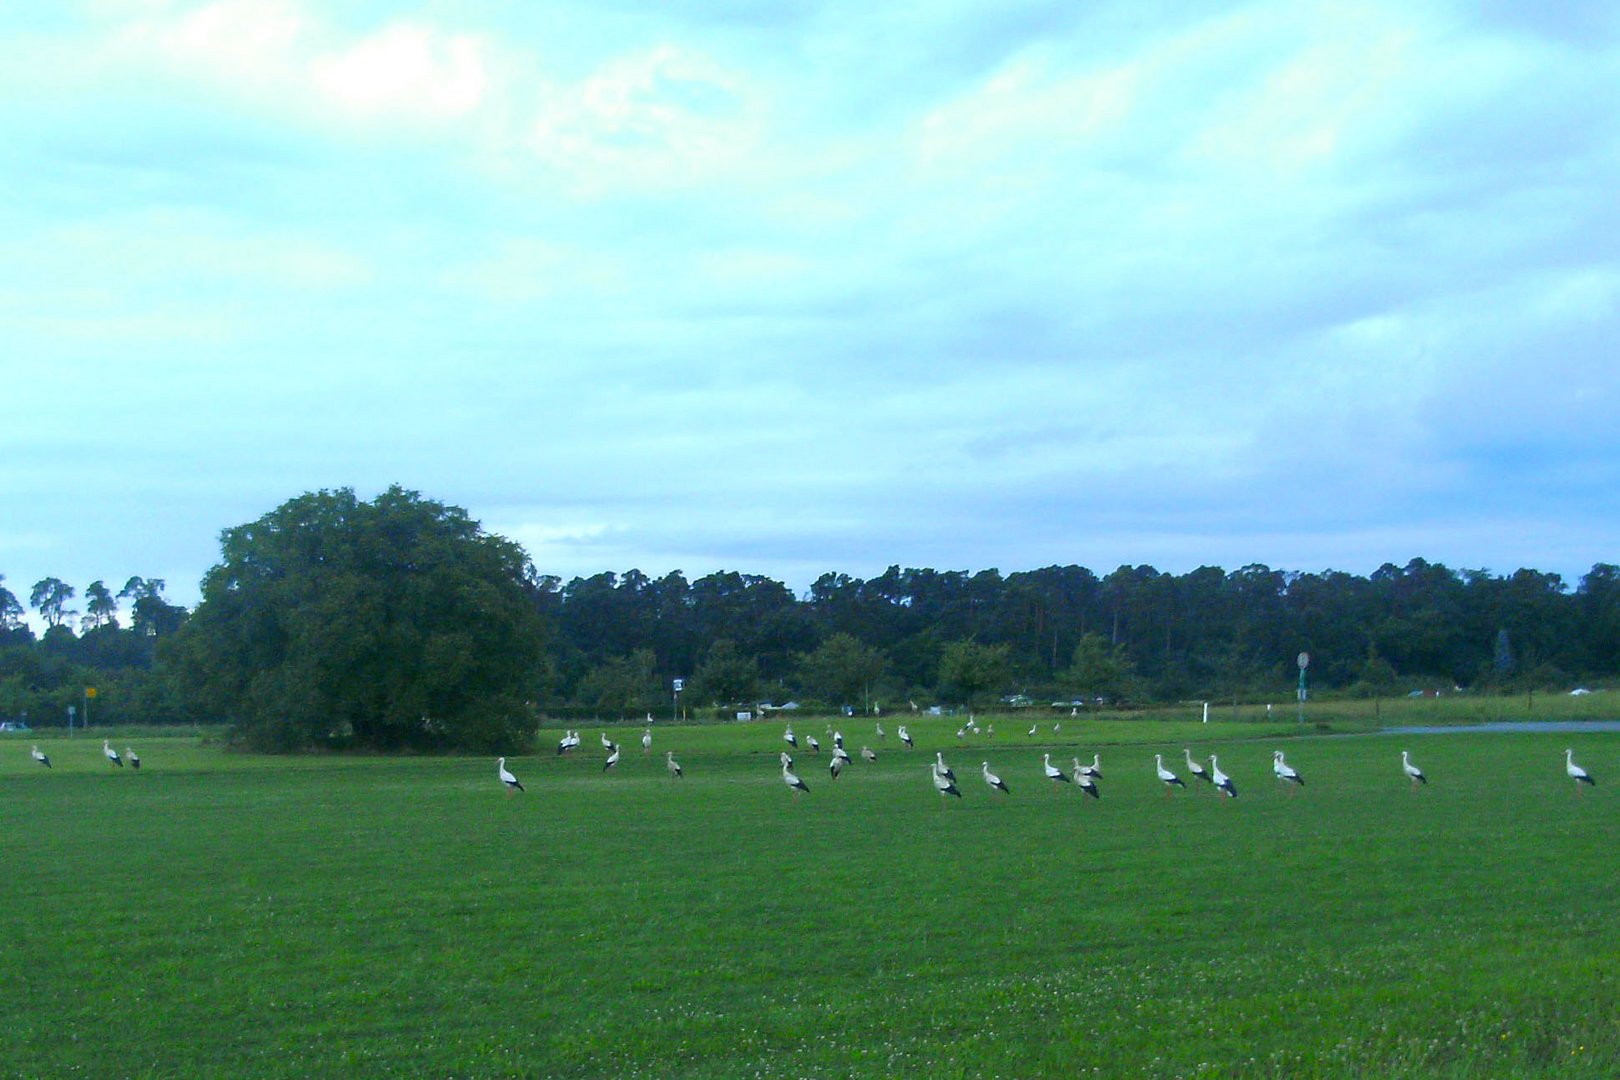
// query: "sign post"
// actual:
[[680, 684], [73, 710], [89, 692], [1304, 661]]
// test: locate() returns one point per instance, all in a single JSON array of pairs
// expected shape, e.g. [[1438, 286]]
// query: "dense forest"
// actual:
[[610, 645]]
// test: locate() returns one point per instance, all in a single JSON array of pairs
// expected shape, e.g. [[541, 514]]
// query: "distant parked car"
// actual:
[[13, 725], [1579, 691]]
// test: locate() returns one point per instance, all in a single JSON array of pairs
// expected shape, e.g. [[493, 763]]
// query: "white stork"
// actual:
[[40, 757], [1197, 771], [836, 765], [944, 784], [1171, 780], [1576, 773], [786, 759], [840, 754], [814, 744], [868, 755], [607, 743], [112, 755], [992, 779], [565, 743], [790, 738], [132, 757], [838, 739], [512, 783], [671, 764], [612, 758], [1032, 728], [1094, 770], [1284, 771], [793, 781], [944, 769], [646, 741], [1084, 781], [1413, 773], [1053, 773], [1223, 783], [881, 733], [905, 737]]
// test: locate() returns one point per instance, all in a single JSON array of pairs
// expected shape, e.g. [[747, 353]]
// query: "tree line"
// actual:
[[401, 623]]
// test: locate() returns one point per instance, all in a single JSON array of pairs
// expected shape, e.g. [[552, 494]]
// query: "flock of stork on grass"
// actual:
[[113, 756], [1083, 777]]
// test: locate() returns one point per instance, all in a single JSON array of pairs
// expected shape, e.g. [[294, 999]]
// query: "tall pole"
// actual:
[[1304, 662]]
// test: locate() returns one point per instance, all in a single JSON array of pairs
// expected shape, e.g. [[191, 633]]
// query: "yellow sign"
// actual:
[[89, 691]]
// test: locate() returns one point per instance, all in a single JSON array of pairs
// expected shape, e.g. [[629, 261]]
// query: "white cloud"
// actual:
[[406, 69]]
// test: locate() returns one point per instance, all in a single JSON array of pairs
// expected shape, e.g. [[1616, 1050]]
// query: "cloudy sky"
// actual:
[[807, 286]]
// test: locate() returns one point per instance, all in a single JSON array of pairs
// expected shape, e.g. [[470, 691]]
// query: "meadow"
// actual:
[[228, 914]]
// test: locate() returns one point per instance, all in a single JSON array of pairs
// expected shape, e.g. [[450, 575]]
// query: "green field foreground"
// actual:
[[224, 914]]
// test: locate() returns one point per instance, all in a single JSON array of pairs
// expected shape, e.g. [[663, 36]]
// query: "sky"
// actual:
[[789, 288]]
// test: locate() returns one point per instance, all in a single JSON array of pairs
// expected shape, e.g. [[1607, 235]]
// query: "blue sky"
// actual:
[[798, 287]]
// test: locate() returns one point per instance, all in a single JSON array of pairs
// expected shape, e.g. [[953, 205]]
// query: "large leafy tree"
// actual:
[[727, 674], [11, 612], [152, 616], [841, 670], [100, 606], [50, 598], [974, 673], [389, 624]]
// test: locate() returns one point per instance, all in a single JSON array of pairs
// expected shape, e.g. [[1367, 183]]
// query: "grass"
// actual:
[[231, 914]]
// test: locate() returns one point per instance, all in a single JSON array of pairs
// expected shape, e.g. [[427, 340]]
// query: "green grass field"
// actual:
[[227, 914]]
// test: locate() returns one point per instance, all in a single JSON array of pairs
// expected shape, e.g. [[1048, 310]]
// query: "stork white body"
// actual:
[[1412, 772], [1094, 770], [868, 754], [607, 743], [1084, 781], [992, 779], [944, 784], [1053, 773], [612, 758], [880, 732], [112, 755], [790, 738], [905, 736], [944, 769], [646, 741], [814, 744], [1170, 779], [1223, 783], [1032, 728], [132, 757], [793, 781], [836, 765], [1284, 771], [512, 783], [671, 764], [786, 759], [1197, 771], [1576, 773], [40, 757]]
